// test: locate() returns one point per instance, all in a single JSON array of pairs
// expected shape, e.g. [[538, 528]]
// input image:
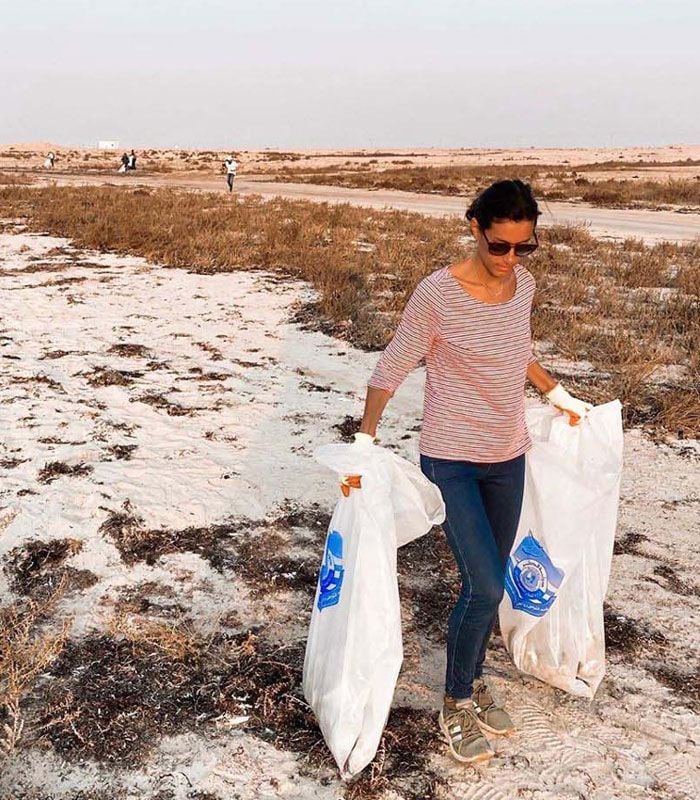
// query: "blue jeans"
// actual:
[[483, 503]]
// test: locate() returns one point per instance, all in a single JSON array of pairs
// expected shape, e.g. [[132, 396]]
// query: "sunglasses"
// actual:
[[503, 248]]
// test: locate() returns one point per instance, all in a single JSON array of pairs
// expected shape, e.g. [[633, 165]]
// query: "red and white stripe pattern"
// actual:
[[476, 357]]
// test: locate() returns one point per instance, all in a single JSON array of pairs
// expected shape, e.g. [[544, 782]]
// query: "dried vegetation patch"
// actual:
[[37, 568], [274, 554], [630, 311], [551, 182], [59, 469], [113, 697]]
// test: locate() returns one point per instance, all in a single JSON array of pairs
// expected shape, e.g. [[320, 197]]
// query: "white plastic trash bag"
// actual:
[[551, 616], [354, 650]]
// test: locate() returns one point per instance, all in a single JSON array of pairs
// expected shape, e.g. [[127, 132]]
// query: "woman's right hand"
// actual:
[[362, 441]]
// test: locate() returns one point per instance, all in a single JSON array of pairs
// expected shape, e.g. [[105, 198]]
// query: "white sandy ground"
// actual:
[[246, 449]]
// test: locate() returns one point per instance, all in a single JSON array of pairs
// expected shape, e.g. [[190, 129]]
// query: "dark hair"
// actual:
[[504, 200]]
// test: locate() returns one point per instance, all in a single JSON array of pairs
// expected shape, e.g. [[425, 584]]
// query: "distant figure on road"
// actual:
[[131, 163], [230, 165], [125, 163], [49, 160]]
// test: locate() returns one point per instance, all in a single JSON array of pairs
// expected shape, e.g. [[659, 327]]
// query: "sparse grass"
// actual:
[[26, 650], [7, 179], [629, 310]]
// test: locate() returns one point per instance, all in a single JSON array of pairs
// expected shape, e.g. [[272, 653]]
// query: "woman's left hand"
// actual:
[[575, 408]]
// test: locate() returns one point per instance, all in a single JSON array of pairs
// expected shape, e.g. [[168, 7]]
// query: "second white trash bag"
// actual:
[[551, 616], [354, 650]]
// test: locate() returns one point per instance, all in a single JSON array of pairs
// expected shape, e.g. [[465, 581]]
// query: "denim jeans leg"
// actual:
[[502, 495], [471, 539]]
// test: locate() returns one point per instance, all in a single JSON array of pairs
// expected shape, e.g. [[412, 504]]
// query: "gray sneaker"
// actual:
[[491, 718], [460, 728]]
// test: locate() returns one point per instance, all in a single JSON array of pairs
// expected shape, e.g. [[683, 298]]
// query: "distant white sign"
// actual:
[[107, 144]]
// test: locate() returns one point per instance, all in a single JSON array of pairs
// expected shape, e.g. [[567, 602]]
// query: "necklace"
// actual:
[[502, 285]]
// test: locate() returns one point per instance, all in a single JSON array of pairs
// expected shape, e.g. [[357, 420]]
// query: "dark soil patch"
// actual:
[[242, 363], [104, 376], [214, 353], [402, 762], [624, 634], [59, 469], [61, 282], [258, 550], [628, 543], [113, 699], [56, 440], [675, 584], [35, 569], [161, 402], [348, 428], [54, 354], [12, 463], [127, 350], [429, 582], [122, 452], [150, 599], [40, 380], [686, 684], [314, 387]]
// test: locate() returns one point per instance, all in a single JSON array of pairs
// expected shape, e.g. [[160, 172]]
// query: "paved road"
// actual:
[[650, 226]]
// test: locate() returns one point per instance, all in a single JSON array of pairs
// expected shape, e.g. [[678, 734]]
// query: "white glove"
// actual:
[[575, 408], [363, 441]]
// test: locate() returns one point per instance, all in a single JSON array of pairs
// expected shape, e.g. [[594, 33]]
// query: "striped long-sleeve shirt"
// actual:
[[476, 357]]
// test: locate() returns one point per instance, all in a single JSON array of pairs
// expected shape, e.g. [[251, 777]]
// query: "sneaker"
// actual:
[[491, 718], [460, 728]]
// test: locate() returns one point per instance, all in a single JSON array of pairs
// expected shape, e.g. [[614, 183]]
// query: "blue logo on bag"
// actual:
[[531, 578], [331, 577]]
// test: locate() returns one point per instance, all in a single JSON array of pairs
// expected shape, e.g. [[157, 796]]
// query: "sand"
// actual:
[[240, 445]]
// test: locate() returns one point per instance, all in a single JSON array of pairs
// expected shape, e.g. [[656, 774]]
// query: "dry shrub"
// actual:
[[626, 192], [27, 648]]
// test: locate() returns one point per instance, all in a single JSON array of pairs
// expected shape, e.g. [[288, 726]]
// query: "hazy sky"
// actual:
[[346, 73]]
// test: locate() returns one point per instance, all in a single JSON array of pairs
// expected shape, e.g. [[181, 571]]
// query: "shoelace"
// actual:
[[490, 702], [459, 723]]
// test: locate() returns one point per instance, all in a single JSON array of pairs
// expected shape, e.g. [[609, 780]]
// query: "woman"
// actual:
[[471, 323]]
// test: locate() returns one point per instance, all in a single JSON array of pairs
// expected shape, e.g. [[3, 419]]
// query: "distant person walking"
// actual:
[[230, 165], [125, 163], [49, 160], [131, 160]]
